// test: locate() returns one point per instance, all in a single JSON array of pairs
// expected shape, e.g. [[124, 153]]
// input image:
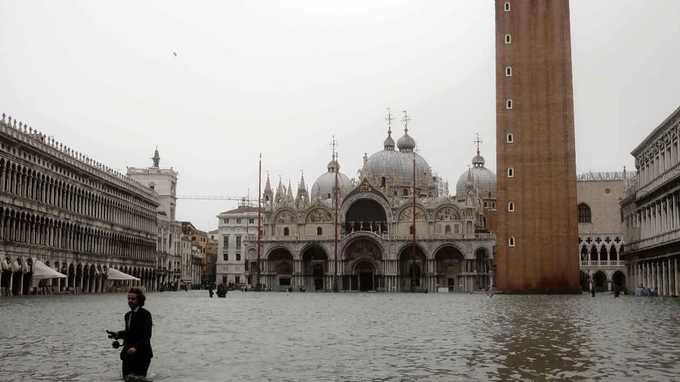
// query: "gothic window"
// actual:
[[319, 231], [584, 215]]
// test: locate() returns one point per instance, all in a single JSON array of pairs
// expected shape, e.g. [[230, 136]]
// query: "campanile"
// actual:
[[537, 230]]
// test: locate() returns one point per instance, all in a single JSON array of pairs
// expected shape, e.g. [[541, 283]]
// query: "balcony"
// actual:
[[654, 241], [602, 263]]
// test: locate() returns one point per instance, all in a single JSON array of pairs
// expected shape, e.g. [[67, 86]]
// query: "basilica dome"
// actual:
[[393, 170], [324, 185], [483, 179]]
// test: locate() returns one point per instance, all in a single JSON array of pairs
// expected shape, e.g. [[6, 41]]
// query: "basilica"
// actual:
[[395, 228]]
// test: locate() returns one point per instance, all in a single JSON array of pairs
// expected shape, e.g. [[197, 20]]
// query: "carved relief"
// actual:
[[447, 213], [319, 216], [284, 217], [407, 214]]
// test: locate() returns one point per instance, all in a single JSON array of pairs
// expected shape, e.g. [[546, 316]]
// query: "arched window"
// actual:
[[319, 231], [511, 241], [286, 231], [447, 229], [508, 71], [508, 39], [511, 207], [584, 213]]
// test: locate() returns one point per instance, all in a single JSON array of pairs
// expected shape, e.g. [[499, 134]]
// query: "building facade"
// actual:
[[536, 226], [360, 235], [600, 230], [70, 212], [163, 181], [651, 211], [234, 228]]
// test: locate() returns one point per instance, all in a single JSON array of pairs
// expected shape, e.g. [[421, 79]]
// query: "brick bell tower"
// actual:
[[536, 228]]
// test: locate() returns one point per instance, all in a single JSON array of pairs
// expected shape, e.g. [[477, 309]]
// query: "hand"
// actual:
[[111, 334], [131, 351]]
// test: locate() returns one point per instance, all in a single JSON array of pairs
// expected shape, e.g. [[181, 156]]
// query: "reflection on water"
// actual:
[[348, 337]]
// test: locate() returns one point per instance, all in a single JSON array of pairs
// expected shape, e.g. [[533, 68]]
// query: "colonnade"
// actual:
[[16, 277], [661, 274]]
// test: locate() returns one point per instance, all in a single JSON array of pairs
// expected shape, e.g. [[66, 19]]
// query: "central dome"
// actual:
[[483, 179]]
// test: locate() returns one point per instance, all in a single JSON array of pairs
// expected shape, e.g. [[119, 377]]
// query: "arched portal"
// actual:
[[366, 215], [448, 266], [362, 260], [412, 267], [280, 265], [314, 267], [600, 281], [365, 274], [619, 281]]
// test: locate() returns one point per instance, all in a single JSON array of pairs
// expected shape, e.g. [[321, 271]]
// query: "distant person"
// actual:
[[592, 291], [210, 292], [136, 354]]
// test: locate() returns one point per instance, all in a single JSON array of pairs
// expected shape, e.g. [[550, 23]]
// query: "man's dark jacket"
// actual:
[[138, 334]]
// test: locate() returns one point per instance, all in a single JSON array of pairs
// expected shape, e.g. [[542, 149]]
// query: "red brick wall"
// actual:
[[543, 189]]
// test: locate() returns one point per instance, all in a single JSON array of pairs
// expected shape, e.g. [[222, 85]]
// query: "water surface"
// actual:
[[348, 337]]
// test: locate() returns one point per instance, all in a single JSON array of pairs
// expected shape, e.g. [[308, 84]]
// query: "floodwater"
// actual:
[[348, 337]]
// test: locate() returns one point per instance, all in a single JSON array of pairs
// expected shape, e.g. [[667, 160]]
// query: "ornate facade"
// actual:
[[373, 220], [70, 212], [651, 211], [600, 230]]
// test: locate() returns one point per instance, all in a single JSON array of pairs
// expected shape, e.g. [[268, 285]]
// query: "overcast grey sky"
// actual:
[[281, 77]]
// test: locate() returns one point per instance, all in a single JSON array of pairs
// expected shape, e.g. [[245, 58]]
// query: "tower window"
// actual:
[[509, 138], [508, 39], [511, 241], [508, 104], [511, 172], [508, 71], [506, 6], [511, 207]]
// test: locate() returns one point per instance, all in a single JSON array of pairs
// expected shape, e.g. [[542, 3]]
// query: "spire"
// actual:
[[302, 197], [156, 158], [268, 194], [280, 193], [289, 195], [389, 142], [302, 185], [478, 160], [406, 143]]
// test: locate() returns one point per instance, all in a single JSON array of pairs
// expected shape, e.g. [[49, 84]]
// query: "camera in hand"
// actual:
[[112, 335]]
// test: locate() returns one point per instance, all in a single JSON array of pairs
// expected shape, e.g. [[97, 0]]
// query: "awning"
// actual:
[[42, 271], [115, 274]]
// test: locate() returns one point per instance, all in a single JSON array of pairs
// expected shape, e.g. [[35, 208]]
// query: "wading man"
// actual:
[[136, 354]]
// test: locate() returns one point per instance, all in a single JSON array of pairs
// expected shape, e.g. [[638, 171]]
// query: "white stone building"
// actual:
[[600, 229], [234, 228], [163, 181], [71, 213], [651, 211]]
